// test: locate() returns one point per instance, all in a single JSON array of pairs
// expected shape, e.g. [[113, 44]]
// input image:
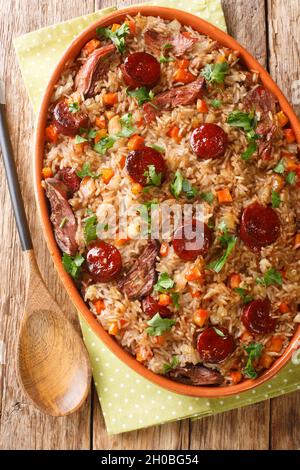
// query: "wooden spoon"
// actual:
[[53, 365]]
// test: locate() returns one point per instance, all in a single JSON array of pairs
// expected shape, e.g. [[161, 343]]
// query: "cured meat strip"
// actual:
[[196, 375], [260, 99], [179, 42], [90, 72], [139, 280], [62, 217], [181, 95]]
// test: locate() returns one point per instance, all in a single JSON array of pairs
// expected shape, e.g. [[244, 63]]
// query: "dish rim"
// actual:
[[72, 52]]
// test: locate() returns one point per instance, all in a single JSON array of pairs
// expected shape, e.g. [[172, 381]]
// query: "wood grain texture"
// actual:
[[21, 426]]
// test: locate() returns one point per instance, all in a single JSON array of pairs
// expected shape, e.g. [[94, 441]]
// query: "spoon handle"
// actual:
[[12, 178]]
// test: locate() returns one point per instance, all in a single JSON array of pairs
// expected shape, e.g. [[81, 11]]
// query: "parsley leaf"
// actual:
[[280, 167], [216, 103], [188, 189], [153, 178], [172, 365], [74, 107], [117, 37], [72, 264], [215, 73], [242, 120], [164, 60], [180, 185], [80, 140], [254, 351], [227, 241], [291, 178], [158, 325], [219, 332], [207, 197], [243, 294], [90, 228], [251, 149], [127, 127], [175, 299], [142, 95], [158, 148], [104, 144], [86, 171], [271, 277], [275, 199], [164, 283]]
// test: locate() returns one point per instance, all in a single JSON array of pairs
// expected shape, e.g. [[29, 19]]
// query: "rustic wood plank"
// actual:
[[22, 427], [284, 47], [284, 64]]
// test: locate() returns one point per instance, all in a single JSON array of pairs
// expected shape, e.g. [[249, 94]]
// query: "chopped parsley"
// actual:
[[72, 264], [90, 228], [275, 199], [142, 95], [92, 134], [63, 222], [219, 332], [104, 144], [79, 139], [117, 37], [215, 73], [153, 178], [164, 283], [216, 103], [271, 277], [291, 178], [246, 298], [175, 299], [165, 60], [279, 168], [182, 185], [172, 365], [127, 127], [207, 197], [158, 148], [86, 171], [167, 46], [254, 351], [228, 241], [247, 122], [145, 212], [74, 107], [158, 325], [250, 150]]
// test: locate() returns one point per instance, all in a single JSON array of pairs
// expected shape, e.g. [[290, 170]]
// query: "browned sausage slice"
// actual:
[[179, 42], [196, 375], [62, 217], [257, 318], [66, 122], [139, 280], [92, 70], [260, 226]]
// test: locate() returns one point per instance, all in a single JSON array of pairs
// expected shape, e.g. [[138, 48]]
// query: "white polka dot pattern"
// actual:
[[129, 401]]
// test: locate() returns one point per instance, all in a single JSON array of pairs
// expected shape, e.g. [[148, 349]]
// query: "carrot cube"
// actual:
[[289, 135], [107, 174], [282, 119], [136, 142], [164, 249], [99, 305], [224, 196], [110, 99], [47, 172], [235, 280], [200, 317], [51, 134]]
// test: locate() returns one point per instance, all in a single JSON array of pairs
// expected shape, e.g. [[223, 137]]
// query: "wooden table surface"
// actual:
[[270, 30]]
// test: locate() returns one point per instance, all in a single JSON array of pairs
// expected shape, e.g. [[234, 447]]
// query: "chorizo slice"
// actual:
[[256, 317], [209, 141], [215, 344], [260, 226], [66, 122], [196, 375], [141, 69], [103, 261], [92, 70], [140, 279], [62, 216]]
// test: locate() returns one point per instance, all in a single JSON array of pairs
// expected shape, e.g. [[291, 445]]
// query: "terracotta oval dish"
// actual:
[[175, 331]]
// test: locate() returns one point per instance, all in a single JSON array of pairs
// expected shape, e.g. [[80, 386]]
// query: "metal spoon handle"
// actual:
[[12, 178]]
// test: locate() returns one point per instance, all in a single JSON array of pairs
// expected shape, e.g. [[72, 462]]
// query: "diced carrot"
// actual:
[[174, 133], [100, 134], [136, 142], [196, 294], [220, 59], [47, 172], [159, 340], [113, 328], [183, 76], [275, 343], [110, 99], [164, 300], [115, 27], [186, 34], [91, 46], [99, 305], [136, 188], [101, 122], [297, 241], [289, 136], [164, 249], [121, 241], [194, 274], [132, 26], [200, 317], [235, 280], [282, 119], [107, 174], [246, 337], [235, 376], [51, 134], [79, 148], [202, 106], [266, 361], [283, 273], [277, 182], [122, 322], [224, 196], [290, 163], [183, 64], [284, 308], [122, 161]]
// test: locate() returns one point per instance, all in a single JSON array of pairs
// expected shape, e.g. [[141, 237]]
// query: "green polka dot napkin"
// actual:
[[128, 400]]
